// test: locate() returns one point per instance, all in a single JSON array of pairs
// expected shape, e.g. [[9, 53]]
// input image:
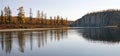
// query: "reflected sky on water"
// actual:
[[64, 42]]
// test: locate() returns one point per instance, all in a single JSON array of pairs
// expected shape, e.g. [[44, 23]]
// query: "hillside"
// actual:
[[99, 19]]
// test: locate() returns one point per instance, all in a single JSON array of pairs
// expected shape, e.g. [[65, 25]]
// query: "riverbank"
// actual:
[[32, 29], [27, 26]]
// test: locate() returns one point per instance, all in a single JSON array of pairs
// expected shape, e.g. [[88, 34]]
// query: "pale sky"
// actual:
[[72, 9]]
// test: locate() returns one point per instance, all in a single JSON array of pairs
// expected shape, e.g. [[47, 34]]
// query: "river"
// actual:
[[61, 42]]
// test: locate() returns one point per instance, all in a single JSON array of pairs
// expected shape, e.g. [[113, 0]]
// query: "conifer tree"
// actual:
[[30, 16], [42, 20], [9, 15], [1, 17], [38, 17], [21, 15], [5, 14], [51, 22]]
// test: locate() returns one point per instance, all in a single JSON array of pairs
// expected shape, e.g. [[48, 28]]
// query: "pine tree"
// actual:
[[42, 21], [21, 16], [66, 22], [30, 16], [58, 18], [51, 22], [9, 15], [6, 14], [55, 20], [38, 17], [61, 21], [45, 18], [1, 17], [42, 14]]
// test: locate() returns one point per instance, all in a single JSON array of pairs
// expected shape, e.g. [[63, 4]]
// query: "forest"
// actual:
[[21, 21], [103, 18]]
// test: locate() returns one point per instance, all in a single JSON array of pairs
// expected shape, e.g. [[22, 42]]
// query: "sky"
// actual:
[[72, 9]]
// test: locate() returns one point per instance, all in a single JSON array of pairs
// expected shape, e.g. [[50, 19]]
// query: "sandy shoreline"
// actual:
[[35, 29], [31, 29]]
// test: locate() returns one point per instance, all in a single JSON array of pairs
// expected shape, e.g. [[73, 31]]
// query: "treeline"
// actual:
[[41, 19], [6, 17], [99, 19]]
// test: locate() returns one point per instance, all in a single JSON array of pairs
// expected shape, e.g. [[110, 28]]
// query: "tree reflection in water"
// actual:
[[41, 37], [21, 41], [108, 35]]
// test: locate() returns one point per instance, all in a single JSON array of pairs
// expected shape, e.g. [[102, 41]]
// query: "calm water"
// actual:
[[65, 42]]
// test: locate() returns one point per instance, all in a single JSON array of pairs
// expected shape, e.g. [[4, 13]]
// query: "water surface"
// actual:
[[64, 42]]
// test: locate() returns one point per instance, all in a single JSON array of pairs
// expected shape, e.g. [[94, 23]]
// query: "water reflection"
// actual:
[[21, 41], [111, 35], [22, 38]]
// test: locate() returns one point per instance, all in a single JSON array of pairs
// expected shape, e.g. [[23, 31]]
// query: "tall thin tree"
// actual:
[[5, 14], [31, 15], [9, 15], [1, 17]]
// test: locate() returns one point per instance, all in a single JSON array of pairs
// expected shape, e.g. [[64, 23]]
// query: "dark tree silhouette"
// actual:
[[30, 15], [9, 16], [1, 17]]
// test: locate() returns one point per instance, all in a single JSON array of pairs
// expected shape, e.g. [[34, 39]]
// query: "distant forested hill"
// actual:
[[99, 19]]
